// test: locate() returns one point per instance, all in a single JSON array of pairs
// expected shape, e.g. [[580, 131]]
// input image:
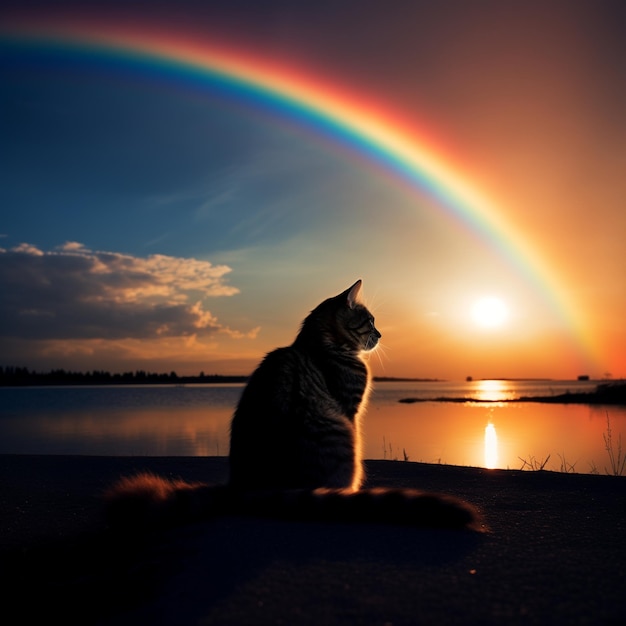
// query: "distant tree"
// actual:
[[22, 376]]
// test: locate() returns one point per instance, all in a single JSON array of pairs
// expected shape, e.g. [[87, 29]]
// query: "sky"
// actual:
[[156, 217]]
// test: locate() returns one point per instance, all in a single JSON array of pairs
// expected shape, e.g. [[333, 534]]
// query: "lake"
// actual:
[[193, 420]]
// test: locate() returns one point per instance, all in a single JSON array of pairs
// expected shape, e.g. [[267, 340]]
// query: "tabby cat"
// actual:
[[295, 445]]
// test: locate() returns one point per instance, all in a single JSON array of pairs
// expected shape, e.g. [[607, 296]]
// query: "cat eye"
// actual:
[[360, 326]]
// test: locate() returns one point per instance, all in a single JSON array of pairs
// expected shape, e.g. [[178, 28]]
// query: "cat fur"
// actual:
[[295, 447]]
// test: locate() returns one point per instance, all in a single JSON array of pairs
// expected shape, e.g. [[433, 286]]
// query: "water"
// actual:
[[193, 421]]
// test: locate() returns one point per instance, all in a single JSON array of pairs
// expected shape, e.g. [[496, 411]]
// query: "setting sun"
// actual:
[[489, 312]]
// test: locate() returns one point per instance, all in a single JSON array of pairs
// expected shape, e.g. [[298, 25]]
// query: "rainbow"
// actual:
[[373, 135]]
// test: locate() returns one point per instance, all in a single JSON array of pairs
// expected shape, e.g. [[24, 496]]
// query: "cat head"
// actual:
[[343, 322]]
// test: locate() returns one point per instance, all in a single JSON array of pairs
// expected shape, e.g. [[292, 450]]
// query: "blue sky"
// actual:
[[218, 225]]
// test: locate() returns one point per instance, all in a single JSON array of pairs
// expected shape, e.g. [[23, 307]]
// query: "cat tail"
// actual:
[[148, 501], [406, 507], [145, 500]]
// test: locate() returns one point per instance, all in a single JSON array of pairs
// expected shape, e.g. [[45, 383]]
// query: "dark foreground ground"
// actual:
[[556, 554]]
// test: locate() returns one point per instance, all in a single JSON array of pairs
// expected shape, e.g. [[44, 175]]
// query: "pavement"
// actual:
[[555, 553]]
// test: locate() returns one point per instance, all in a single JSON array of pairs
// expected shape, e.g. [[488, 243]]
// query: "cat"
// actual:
[[295, 441], [297, 424]]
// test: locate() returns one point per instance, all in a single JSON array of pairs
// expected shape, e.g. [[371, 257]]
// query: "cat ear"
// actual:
[[352, 294]]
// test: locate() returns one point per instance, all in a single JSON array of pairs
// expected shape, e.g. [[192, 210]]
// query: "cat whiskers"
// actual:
[[370, 344], [379, 350], [373, 303]]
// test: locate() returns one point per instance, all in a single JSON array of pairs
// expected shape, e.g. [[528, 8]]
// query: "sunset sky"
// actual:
[[156, 215]]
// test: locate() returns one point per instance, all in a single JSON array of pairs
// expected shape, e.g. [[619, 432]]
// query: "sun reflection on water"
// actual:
[[493, 390], [491, 446], [195, 421]]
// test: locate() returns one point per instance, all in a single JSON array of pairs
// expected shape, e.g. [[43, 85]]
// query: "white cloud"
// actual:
[[26, 248], [76, 293]]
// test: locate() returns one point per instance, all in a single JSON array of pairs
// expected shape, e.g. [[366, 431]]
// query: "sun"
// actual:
[[489, 312]]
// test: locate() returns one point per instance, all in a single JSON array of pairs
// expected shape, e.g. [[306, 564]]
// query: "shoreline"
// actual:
[[571, 398], [554, 553], [609, 394]]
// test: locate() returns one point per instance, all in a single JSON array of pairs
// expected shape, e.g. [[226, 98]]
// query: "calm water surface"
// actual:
[[193, 421]]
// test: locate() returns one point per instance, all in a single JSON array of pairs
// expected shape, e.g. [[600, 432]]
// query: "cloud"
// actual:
[[76, 293]]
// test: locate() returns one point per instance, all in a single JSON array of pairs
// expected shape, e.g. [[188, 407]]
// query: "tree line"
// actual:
[[21, 376]]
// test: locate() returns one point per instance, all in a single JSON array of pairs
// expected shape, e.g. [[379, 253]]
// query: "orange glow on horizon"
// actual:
[[389, 130], [569, 347]]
